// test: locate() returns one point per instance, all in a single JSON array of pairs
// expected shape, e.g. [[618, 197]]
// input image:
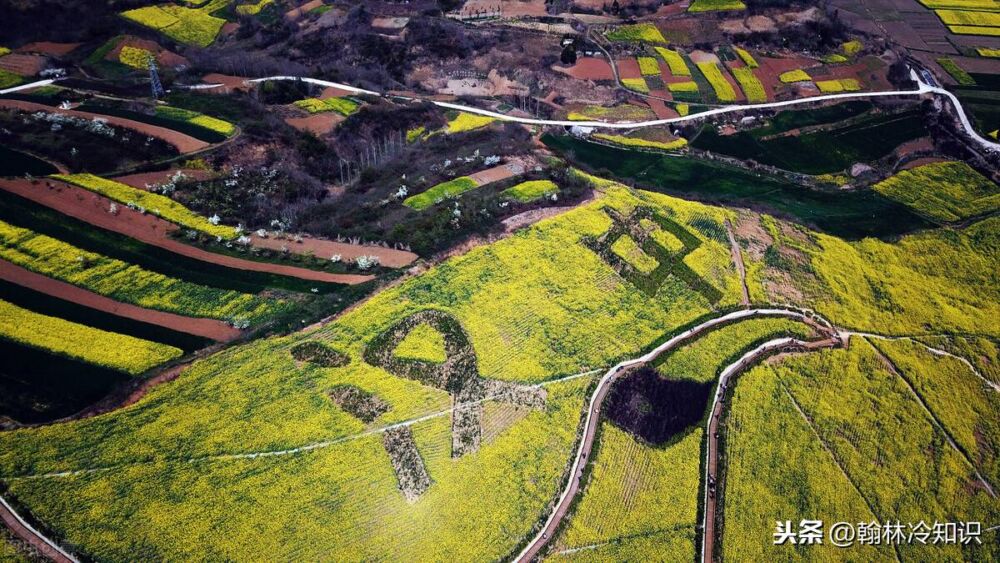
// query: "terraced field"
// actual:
[[203, 408]]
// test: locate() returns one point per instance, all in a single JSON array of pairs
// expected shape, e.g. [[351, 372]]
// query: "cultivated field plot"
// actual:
[[844, 411], [193, 26], [946, 192]]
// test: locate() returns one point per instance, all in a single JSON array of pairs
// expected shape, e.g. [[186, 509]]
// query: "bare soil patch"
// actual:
[[500, 172], [318, 124], [50, 48], [302, 10], [628, 68], [228, 83], [323, 248], [24, 65], [915, 163], [588, 68]]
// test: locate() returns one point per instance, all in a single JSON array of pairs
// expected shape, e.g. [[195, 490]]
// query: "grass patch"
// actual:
[[956, 72], [194, 118], [9, 79], [853, 215], [531, 190], [343, 106], [440, 192], [716, 5], [819, 152]]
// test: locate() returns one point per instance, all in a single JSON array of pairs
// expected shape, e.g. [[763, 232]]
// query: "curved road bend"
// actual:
[[592, 418], [712, 427], [922, 88], [29, 534]]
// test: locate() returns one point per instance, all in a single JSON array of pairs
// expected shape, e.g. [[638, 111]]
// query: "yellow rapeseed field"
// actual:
[[80, 342]]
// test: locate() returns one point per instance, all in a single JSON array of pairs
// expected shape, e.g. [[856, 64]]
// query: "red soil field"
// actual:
[[388, 257], [331, 92], [182, 142], [317, 123], [48, 48], [205, 328], [589, 68], [24, 65], [92, 208], [228, 83], [296, 13], [140, 180], [628, 68], [661, 109]]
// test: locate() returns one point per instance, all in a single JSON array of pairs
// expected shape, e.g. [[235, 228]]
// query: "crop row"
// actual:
[[126, 282], [723, 89], [675, 61], [156, 204], [640, 142], [112, 350], [751, 85]]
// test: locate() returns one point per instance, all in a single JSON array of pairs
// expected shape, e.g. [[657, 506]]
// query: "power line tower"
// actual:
[[154, 78]]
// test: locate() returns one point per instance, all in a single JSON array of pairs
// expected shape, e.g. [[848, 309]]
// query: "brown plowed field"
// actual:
[[140, 180], [182, 142], [318, 123], [589, 68], [326, 248], [92, 208], [24, 65], [628, 68], [48, 48], [205, 328]]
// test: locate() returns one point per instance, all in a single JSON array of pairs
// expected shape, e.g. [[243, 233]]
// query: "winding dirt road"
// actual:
[[712, 428], [28, 533]]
